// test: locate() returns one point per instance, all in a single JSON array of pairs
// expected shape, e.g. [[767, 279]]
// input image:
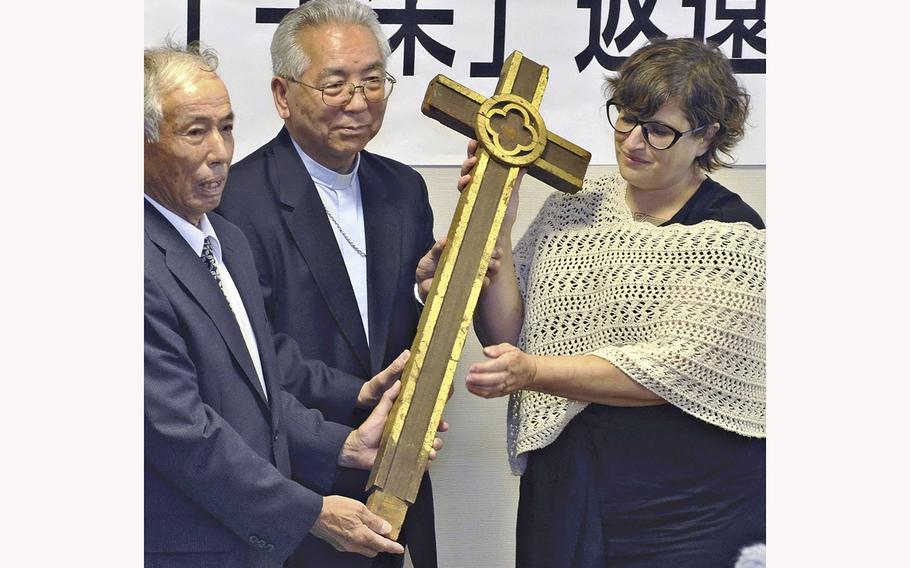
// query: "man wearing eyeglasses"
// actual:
[[336, 230]]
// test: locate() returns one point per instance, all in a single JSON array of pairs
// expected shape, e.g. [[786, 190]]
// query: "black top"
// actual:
[[715, 202]]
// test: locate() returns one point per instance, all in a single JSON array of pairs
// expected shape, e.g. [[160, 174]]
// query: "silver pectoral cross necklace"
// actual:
[[344, 234]]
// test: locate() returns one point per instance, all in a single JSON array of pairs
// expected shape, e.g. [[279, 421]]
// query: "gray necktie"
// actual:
[[209, 258]]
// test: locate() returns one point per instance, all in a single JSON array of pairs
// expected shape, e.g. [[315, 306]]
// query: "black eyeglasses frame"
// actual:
[[643, 123]]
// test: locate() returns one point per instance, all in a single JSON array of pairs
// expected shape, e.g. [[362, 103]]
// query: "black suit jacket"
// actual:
[[219, 456], [308, 294]]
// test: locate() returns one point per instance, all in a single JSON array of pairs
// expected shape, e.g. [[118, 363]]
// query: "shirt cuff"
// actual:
[[417, 295]]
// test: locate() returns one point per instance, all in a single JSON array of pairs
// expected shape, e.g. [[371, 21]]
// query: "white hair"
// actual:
[[166, 68], [288, 57]]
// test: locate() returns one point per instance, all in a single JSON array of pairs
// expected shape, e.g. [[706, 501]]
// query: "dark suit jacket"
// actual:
[[308, 294], [219, 457]]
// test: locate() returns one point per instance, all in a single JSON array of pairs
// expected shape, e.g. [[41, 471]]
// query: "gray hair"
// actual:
[[289, 58], [166, 68]]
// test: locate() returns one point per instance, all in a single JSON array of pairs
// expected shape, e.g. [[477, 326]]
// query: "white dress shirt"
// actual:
[[195, 237], [340, 195]]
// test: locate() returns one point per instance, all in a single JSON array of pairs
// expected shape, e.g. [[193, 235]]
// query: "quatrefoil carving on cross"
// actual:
[[511, 129]]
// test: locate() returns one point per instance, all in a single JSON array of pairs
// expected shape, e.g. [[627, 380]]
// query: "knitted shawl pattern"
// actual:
[[679, 309]]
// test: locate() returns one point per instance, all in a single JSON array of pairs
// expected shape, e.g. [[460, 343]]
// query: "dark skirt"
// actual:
[[641, 487]]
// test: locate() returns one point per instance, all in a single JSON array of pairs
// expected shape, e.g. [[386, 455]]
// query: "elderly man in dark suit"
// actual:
[[235, 467], [337, 231]]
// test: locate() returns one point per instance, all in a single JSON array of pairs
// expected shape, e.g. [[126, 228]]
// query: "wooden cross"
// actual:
[[511, 135]]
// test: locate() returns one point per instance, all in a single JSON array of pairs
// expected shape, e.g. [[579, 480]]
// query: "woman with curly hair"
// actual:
[[627, 327]]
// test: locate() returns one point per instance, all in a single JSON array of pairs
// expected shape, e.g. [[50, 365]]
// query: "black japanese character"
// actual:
[[273, 15], [738, 32], [411, 18], [192, 21], [494, 68], [593, 50], [641, 25]]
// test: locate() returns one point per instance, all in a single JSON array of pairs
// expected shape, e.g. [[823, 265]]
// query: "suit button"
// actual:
[[253, 539], [275, 437], [269, 547]]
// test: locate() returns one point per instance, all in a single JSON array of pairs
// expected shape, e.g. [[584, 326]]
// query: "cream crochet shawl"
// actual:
[[680, 309]]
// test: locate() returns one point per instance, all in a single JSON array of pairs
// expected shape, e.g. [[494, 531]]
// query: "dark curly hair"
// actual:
[[695, 75]]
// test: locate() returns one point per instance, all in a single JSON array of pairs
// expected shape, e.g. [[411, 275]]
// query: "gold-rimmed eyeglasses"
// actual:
[[374, 89]]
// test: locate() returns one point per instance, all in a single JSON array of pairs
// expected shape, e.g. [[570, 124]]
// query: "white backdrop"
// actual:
[[551, 33]]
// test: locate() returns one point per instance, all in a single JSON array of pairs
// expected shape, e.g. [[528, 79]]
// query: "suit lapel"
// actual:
[[383, 237], [247, 283], [309, 225], [192, 273]]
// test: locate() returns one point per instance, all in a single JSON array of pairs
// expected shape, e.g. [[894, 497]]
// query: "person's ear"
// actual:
[[705, 141], [280, 88]]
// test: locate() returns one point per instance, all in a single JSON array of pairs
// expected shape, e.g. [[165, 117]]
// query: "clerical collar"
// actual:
[[323, 175]]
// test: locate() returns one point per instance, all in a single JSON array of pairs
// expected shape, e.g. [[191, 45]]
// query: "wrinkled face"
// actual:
[[187, 168], [644, 167], [332, 135]]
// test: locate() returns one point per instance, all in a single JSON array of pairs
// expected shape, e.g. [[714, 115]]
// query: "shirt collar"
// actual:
[[194, 236], [323, 175]]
